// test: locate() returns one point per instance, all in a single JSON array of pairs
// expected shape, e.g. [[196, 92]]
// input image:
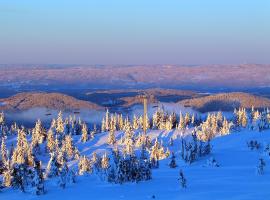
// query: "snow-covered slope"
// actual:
[[235, 178]]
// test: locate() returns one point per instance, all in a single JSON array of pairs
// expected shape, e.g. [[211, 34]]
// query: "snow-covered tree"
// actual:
[[261, 166], [38, 180], [182, 179], [84, 137], [60, 123], [50, 141], [84, 165], [4, 154], [111, 138], [181, 125], [37, 134], [105, 162], [7, 176], [68, 146], [172, 162], [135, 122], [53, 166]]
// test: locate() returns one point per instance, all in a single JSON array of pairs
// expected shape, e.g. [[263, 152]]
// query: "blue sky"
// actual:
[[135, 31]]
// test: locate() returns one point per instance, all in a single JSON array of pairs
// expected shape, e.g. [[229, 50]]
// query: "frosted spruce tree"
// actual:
[[173, 162], [4, 153], [261, 166], [182, 179], [50, 141], [84, 165], [38, 180], [111, 138], [53, 166], [84, 137]]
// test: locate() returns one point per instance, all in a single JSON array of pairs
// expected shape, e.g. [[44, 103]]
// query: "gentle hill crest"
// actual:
[[226, 102], [57, 101]]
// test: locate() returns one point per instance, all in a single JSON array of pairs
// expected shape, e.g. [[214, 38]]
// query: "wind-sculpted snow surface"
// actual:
[[235, 178]]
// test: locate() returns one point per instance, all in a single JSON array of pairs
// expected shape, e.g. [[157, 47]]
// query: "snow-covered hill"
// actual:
[[235, 178]]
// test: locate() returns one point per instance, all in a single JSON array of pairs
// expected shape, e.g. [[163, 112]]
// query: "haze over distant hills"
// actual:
[[166, 76]]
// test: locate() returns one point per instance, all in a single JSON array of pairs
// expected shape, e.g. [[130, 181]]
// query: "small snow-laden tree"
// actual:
[[107, 120], [62, 157], [127, 128], [76, 153], [267, 149], [2, 125], [144, 153], [63, 174], [171, 141], [261, 166], [105, 162], [120, 122], [4, 154], [212, 162], [60, 123], [159, 119], [135, 122], [50, 141], [116, 155], [187, 119], [192, 119], [93, 132], [30, 159], [103, 125], [181, 125], [38, 180], [268, 115], [84, 165], [96, 162], [53, 166], [105, 165], [226, 126], [182, 179], [68, 146], [129, 140], [84, 137], [219, 119], [173, 162], [129, 147], [19, 175], [254, 144], [53, 124], [169, 123], [2, 119], [7, 175], [71, 176], [111, 137], [154, 155], [38, 134], [20, 152], [113, 122]]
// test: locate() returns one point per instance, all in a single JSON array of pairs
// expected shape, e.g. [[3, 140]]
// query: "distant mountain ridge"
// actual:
[[139, 76]]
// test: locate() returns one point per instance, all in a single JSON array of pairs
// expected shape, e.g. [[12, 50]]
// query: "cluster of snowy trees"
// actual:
[[134, 154], [254, 120], [192, 149]]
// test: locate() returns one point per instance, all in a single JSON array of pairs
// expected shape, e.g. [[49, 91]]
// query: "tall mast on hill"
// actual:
[[144, 113]]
